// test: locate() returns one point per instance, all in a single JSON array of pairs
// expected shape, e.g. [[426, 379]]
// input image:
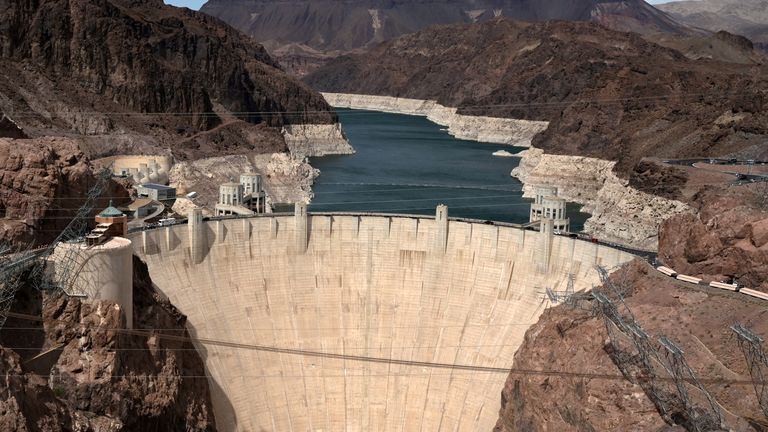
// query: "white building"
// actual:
[[547, 205], [244, 198]]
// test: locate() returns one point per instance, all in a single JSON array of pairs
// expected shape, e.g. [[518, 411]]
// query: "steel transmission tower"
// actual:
[[751, 346], [30, 266]]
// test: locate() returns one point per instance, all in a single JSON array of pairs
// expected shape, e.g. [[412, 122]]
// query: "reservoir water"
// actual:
[[407, 164]]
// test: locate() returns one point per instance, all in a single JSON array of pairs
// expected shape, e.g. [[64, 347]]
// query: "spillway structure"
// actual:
[[350, 322]]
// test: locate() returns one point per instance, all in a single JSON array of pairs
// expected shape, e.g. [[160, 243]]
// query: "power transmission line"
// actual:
[[380, 360]]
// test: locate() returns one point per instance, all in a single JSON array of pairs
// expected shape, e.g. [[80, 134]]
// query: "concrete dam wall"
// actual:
[[342, 296]]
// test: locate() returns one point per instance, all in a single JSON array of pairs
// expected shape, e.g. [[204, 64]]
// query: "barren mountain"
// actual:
[[744, 17], [301, 33], [88, 78], [142, 75], [606, 94]]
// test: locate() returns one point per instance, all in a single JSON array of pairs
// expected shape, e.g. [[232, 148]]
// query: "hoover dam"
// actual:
[[347, 321]]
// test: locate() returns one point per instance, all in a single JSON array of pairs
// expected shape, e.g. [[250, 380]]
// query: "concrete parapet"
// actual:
[[196, 235], [441, 233], [301, 229]]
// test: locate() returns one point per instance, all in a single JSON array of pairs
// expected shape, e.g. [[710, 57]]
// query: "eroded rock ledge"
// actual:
[[474, 128], [311, 140], [620, 213]]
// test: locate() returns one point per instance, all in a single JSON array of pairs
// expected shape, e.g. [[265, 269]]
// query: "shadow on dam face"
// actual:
[[350, 289]]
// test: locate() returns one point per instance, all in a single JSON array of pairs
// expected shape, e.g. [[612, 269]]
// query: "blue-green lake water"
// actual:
[[407, 164]]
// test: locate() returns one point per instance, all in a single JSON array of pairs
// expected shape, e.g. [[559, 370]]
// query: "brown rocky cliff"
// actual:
[[152, 58], [727, 238], [102, 379], [576, 341], [43, 182], [89, 66], [298, 33]]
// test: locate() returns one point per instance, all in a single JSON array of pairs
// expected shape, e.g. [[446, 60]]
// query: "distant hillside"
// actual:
[[302, 32], [745, 17], [606, 94]]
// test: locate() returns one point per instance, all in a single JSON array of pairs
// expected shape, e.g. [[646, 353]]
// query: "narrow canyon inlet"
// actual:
[[408, 164]]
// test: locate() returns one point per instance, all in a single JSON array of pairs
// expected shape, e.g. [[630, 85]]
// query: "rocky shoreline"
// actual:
[[619, 213], [473, 128]]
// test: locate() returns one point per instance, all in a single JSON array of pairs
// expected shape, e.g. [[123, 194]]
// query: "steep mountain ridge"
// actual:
[[87, 67], [606, 94], [318, 28]]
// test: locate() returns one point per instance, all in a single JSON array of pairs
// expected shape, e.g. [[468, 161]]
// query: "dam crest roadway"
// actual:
[[412, 288]]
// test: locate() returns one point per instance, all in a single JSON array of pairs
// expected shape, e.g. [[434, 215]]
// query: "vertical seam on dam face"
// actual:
[[384, 287]]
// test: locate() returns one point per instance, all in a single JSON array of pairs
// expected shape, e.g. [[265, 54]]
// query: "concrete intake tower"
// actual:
[[337, 321]]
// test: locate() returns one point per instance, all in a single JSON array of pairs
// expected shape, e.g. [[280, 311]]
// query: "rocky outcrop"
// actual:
[[467, 127], [43, 182], [727, 238], [569, 341], [316, 140], [72, 368], [289, 179], [9, 128], [620, 213]]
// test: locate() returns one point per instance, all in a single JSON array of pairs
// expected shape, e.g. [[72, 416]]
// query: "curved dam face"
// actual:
[[350, 302]]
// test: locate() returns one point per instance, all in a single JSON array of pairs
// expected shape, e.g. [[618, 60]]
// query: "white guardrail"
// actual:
[[720, 285]]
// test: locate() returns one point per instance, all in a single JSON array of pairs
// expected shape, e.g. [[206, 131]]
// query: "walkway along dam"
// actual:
[[401, 287]]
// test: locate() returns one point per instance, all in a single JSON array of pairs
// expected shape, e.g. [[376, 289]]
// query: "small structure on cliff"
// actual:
[[244, 198], [142, 169], [548, 206], [101, 267], [110, 222], [158, 192]]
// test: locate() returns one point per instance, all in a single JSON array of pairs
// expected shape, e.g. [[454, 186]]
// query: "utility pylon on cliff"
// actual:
[[68, 262], [14, 265], [634, 353], [699, 419], [568, 297], [751, 346]]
